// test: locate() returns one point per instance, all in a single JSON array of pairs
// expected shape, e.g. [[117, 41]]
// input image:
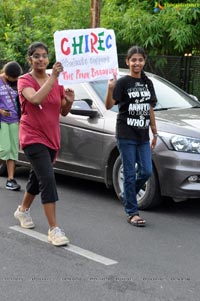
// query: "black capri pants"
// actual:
[[41, 176]]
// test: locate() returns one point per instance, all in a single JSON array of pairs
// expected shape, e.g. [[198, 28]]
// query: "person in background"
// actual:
[[42, 101], [135, 96], [9, 120]]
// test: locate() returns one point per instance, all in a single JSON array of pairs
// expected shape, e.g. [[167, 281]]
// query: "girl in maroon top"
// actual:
[[42, 101]]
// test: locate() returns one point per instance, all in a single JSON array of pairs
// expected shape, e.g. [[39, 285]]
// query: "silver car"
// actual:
[[89, 151]]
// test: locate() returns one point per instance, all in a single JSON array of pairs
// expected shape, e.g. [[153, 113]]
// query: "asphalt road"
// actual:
[[107, 258]]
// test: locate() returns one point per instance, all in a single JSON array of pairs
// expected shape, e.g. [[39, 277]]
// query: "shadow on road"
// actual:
[[183, 209], [187, 208]]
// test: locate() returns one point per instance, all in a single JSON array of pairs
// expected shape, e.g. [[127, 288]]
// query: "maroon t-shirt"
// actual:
[[40, 124]]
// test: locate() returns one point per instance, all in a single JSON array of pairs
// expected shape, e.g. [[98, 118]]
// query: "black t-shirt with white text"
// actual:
[[134, 100]]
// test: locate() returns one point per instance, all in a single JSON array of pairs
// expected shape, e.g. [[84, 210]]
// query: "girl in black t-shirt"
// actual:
[[135, 96]]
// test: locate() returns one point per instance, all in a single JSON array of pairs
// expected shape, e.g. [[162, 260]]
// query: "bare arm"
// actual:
[[4, 113], [67, 102], [153, 128], [109, 101], [37, 97]]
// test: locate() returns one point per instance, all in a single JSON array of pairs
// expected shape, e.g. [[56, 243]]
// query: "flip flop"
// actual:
[[137, 223]]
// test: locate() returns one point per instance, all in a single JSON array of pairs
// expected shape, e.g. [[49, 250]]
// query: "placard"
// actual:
[[86, 54]]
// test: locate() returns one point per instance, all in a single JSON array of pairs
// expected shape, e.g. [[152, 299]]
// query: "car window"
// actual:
[[171, 97], [80, 91], [168, 95], [100, 88]]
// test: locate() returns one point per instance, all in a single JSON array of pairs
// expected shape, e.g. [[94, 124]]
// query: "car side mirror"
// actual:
[[81, 107]]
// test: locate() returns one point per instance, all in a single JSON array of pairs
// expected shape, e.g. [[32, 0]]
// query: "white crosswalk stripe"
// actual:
[[72, 248]]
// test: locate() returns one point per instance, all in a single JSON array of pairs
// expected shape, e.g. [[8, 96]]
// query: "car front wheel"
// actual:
[[148, 197]]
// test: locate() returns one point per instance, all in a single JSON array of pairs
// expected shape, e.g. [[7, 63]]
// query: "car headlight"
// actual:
[[186, 144], [180, 143]]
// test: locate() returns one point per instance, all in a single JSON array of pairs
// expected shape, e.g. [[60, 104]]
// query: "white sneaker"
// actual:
[[24, 218], [57, 237]]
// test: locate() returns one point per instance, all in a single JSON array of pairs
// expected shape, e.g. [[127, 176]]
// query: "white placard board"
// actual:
[[86, 54]]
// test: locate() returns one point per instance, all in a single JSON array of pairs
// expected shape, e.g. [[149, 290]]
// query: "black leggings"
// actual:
[[41, 176]]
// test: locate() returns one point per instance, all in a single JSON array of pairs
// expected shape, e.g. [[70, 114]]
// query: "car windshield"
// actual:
[[100, 88], [168, 95]]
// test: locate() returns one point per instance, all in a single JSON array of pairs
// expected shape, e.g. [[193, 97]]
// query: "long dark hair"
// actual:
[[136, 49], [36, 45], [32, 48], [12, 69]]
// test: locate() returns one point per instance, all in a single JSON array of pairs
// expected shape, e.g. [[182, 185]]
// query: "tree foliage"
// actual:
[[23, 22], [161, 27], [175, 29]]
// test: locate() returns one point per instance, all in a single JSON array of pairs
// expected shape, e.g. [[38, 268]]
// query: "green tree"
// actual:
[[23, 22], [173, 30]]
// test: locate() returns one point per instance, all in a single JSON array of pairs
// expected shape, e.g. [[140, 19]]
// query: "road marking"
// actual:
[[70, 247]]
